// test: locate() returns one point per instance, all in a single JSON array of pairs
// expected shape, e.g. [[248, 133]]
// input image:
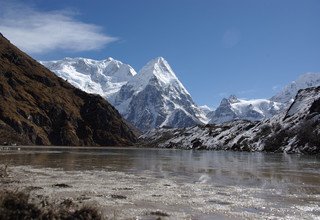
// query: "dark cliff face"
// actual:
[[37, 107]]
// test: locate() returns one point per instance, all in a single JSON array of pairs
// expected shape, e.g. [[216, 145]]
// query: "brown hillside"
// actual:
[[37, 107]]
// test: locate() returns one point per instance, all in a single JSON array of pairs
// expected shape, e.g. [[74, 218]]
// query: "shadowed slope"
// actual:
[[37, 107]]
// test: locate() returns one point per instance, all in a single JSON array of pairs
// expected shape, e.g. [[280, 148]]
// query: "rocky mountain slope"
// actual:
[[37, 107], [295, 131], [238, 109], [156, 98]]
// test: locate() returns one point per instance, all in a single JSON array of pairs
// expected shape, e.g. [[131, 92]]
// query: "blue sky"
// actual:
[[250, 48]]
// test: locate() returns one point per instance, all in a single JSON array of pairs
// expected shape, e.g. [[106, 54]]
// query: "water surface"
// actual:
[[184, 184]]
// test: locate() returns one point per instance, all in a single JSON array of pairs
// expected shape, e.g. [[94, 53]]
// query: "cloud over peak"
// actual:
[[39, 32]]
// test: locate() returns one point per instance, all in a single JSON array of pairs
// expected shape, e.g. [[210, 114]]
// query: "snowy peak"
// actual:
[[152, 98], [253, 110], [306, 80], [160, 69], [103, 77], [228, 101], [155, 97], [206, 109], [233, 108], [158, 62], [157, 71], [108, 67], [233, 99], [224, 101]]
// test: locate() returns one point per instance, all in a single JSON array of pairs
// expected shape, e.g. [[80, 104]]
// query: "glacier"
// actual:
[[103, 77], [239, 109]]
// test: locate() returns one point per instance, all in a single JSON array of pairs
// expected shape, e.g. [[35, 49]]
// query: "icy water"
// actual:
[[136, 183]]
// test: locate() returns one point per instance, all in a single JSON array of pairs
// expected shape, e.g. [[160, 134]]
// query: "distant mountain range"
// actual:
[[152, 98], [253, 110], [155, 97], [39, 108], [296, 130], [104, 77]]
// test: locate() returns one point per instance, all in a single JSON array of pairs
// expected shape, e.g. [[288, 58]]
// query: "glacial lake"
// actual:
[[137, 183]]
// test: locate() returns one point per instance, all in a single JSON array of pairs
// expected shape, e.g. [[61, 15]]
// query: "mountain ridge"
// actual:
[[169, 101], [293, 131], [233, 108], [39, 108], [159, 77], [287, 94], [103, 77], [155, 97]]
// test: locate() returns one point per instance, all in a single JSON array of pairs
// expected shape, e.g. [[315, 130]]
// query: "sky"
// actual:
[[249, 48]]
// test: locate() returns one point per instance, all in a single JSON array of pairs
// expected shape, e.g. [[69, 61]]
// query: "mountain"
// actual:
[[259, 109], [153, 98], [103, 77], [296, 130], [206, 109], [253, 110], [156, 98], [287, 94], [39, 108]]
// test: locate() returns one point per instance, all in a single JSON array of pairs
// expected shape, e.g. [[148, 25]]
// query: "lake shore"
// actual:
[[139, 183], [115, 195]]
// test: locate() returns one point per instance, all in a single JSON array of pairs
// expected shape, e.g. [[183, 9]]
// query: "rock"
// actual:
[[114, 196], [295, 131], [39, 108], [61, 185]]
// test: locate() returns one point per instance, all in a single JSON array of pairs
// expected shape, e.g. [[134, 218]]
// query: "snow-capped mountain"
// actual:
[[206, 109], [156, 98], [287, 94], [259, 109], [153, 98], [253, 110], [103, 77], [295, 131]]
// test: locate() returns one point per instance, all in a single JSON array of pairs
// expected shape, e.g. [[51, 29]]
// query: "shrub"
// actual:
[[16, 205]]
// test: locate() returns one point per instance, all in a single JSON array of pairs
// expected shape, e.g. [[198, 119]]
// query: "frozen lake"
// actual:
[[136, 183]]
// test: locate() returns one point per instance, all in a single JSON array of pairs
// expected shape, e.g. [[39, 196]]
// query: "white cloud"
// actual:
[[41, 32], [231, 38]]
